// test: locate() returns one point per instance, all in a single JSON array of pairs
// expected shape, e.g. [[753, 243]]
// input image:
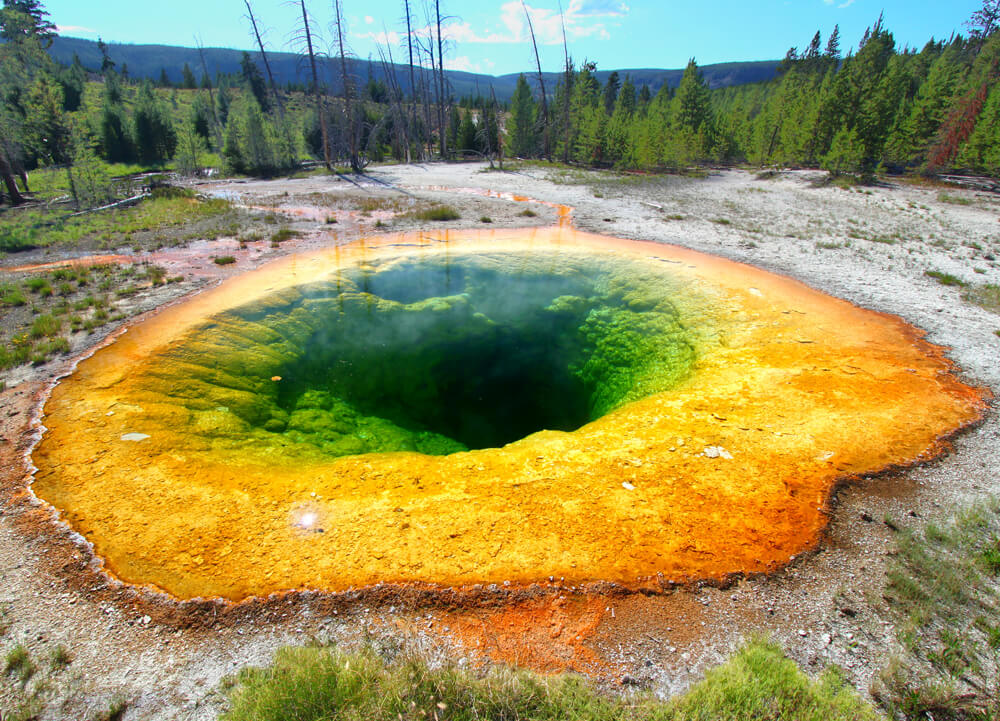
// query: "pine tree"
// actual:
[[222, 102], [73, 80], [255, 82], [115, 139], [467, 133], [693, 103], [832, 51], [611, 92], [164, 81], [21, 19], [47, 132], [155, 138], [187, 78], [201, 117], [522, 139], [981, 152]]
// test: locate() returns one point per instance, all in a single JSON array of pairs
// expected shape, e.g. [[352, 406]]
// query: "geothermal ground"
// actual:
[[870, 246]]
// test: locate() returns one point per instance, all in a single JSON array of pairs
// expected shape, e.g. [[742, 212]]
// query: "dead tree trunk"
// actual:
[[413, 88], [7, 173], [216, 126], [567, 87], [441, 86], [352, 124], [267, 65], [396, 98], [320, 105], [496, 115], [546, 147]]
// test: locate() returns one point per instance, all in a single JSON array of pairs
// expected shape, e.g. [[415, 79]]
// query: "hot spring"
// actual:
[[476, 408]]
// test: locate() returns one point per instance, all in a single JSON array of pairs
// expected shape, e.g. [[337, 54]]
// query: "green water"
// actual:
[[435, 354]]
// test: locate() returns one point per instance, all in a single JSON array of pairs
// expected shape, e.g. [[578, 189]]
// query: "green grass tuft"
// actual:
[[283, 234], [224, 260], [313, 684], [528, 213], [945, 278], [59, 658], [438, 212], [18, 663], [986, 296], [953, 199]]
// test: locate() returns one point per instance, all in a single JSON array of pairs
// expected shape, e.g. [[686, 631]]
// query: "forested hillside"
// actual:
[[155, 62], [879, 108], [874, 108]]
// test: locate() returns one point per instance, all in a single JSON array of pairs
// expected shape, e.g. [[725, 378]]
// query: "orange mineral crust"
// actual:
[[728, 471]]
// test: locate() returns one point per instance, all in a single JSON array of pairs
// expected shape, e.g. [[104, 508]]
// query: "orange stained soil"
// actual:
[[730, 472], [547, 634]]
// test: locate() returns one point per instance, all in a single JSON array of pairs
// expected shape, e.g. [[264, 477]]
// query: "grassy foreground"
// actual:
[[313, 684], [943, 593]]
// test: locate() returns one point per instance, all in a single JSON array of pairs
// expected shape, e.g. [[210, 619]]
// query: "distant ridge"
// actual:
[[146, 61]]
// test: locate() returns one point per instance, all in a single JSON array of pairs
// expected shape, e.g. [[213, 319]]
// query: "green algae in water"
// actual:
[[434, 354]]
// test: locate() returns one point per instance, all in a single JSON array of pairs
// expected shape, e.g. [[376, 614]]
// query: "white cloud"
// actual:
[[75, 30], [369, 19], [465, 64], [380, 38], [844, 4], [583, 19]]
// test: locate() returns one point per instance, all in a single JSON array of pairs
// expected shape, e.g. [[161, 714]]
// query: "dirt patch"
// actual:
[[824, 608]]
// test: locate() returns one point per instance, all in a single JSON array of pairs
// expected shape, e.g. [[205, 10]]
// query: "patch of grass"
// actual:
[[722, 221], [945, 278], [943, 591], [986, 296], [674, 216], [224, 260], [310, 684], [828, 245], [59, 658], [283, 234], [39, 285], [528, 213], [18, 663], [116, 708], [37, 227], [156, 274], [953, 199], [12, 296], [331, 220], [437, 213], [27, 709], [45, 326], [485, 219]]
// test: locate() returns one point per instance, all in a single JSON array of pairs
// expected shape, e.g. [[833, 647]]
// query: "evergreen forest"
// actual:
[[860, 109]]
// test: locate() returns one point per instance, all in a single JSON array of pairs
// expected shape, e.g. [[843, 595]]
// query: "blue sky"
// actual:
[[490, 36]]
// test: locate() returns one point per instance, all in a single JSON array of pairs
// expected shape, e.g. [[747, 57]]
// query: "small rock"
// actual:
[[629, 681], [146, 620], [803, 632], [135, 437], [628, 486], [827, 638], [866, 518]]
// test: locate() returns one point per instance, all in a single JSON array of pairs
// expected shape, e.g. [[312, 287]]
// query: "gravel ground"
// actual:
[[870, 246]]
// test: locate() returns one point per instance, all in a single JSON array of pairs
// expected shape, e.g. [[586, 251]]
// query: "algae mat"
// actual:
[[484, 407]]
